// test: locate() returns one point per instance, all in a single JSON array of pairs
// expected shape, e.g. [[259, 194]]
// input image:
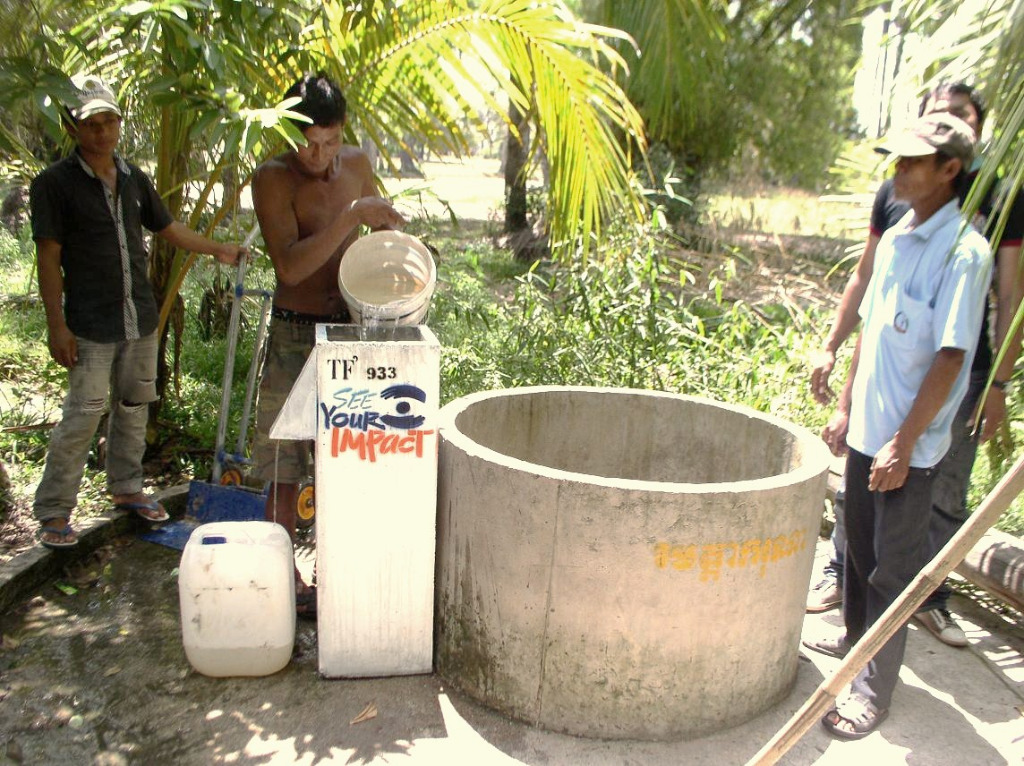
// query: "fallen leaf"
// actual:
[[67, 590], [368, 712], [14, 751], [113, 670]]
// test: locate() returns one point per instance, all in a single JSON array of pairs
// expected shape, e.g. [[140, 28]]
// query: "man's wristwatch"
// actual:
[[1000, 384]]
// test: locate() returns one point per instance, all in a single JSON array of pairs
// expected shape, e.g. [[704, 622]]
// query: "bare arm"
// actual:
[[846, 321], [297, 258], [181, 236], [62, 342], [835, 432], [891, 465], [1009, 292]]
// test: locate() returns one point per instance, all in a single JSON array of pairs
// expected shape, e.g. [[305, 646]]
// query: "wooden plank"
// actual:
[[898, 613]]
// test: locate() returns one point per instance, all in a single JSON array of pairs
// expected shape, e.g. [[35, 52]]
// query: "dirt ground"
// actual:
[[93, 671], [99, 675]]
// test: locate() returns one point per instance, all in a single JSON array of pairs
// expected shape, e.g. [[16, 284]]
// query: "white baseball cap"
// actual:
[[94, 96]]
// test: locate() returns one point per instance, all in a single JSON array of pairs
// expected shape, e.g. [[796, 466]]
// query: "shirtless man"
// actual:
[[310, 203]]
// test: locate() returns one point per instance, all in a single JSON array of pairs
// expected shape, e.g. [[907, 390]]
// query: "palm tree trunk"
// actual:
[[515, 175], [172, 169]]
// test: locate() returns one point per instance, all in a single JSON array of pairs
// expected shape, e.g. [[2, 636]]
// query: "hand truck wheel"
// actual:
[[232, 477], [305, 502]]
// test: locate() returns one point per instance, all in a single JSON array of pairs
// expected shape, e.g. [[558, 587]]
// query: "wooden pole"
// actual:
[[901, 610]]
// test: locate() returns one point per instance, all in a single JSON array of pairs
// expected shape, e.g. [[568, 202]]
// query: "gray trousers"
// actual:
[[887, 545], [124, 374]]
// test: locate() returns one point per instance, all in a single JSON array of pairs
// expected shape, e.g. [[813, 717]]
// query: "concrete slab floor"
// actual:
[[93, 671]]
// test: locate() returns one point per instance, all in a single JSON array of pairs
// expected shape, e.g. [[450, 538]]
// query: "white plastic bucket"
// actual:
[[387, 277], [236, 588]]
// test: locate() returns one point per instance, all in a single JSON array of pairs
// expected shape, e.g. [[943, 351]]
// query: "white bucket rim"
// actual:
[[383, 247]]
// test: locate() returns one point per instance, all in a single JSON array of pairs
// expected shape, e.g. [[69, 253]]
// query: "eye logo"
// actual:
[[403, 418]]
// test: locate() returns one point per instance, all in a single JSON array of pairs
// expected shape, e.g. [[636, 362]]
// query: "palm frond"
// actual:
[[410, 73], [666, 80]]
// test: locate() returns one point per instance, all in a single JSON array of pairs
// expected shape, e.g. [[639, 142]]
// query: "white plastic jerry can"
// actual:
[[236, 587]]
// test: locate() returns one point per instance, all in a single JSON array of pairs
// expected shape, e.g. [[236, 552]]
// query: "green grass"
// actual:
[[796, 213], [635, 319]]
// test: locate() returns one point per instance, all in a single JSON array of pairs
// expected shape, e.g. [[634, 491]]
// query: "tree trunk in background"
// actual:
[[14, 208], [229, 191], [515, 176], [172, 173], [373, 153], [6, 498]]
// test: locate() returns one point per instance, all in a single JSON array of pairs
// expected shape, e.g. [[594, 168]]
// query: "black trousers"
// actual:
[[886, 547]]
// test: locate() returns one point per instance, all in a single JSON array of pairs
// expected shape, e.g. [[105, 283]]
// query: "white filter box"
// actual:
[[369, 398], [376, 489], [236, 588]]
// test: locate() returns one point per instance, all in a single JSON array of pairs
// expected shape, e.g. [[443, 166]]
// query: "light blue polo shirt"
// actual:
[[924, 295]]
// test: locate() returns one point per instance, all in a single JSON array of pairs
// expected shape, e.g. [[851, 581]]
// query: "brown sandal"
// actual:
[[858, 713]]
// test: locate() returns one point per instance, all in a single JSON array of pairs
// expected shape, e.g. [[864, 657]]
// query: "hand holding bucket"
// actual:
[[387, 277]]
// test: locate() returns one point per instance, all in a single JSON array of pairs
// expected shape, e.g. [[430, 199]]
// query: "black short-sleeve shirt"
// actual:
[[107, 293], [887, 211]]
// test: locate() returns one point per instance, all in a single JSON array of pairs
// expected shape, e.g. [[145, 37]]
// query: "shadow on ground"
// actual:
[[98, 667], [93, 671]]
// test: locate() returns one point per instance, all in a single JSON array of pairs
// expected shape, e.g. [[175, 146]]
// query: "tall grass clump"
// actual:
[[469, 315], [30, 382], [616, 322], [191, 409], [635, 320], [647, 314]]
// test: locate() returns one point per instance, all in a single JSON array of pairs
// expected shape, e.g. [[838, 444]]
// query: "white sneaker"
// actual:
[[824, 596], [941, 624]]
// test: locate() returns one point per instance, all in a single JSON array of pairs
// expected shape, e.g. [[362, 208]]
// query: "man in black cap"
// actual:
[[921, 317], [88, 212]]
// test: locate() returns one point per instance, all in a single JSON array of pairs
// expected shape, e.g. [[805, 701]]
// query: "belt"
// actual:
[[297, 317]]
